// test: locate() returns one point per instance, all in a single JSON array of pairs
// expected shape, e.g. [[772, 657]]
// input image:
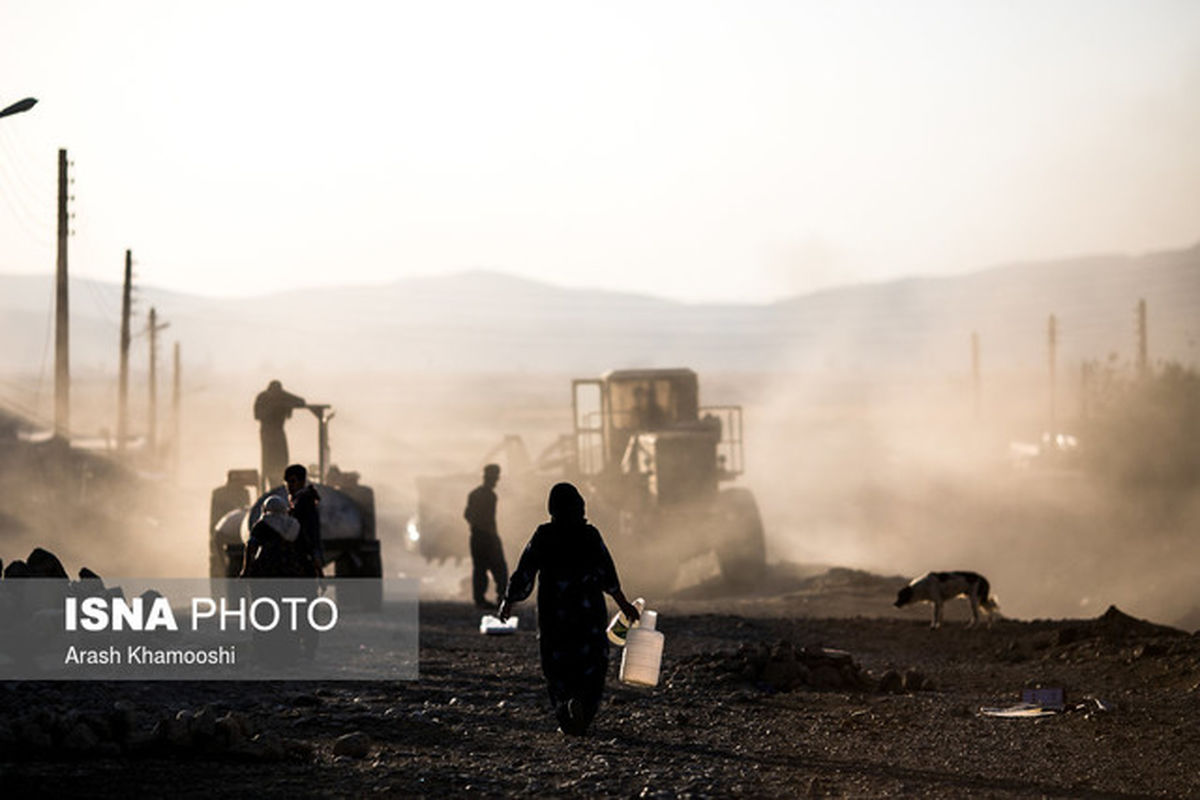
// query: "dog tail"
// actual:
[[986, 598]]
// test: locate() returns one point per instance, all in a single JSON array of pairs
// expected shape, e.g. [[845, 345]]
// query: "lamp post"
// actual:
[[19, 106]]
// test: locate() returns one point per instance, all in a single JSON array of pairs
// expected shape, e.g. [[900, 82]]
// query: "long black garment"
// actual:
[[277, 557], [574, 570]]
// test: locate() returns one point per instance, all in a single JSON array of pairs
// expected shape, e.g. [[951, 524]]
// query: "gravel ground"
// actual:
[[814, 688]]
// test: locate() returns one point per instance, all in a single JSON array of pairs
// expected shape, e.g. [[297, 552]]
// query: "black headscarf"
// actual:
[[566, 504]]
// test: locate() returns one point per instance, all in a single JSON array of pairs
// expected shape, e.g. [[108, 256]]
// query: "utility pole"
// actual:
[[62, 346], [1052, 341], [975, 371], [1143, 348], [123, 383], [152, 436], [175, 426]]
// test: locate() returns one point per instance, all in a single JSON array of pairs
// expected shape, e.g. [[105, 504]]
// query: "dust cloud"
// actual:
[[903, 475], [894, 473]]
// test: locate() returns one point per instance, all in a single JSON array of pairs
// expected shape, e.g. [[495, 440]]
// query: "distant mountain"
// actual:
[[1094, 301], [495, 322]]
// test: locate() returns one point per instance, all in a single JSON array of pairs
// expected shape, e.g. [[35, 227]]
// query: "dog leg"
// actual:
[[937, 613]]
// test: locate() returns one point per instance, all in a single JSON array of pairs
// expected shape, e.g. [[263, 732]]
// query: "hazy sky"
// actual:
[[705, 151]]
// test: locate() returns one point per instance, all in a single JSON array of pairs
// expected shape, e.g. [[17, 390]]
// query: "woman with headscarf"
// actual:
[[271, 551], [573, 570]]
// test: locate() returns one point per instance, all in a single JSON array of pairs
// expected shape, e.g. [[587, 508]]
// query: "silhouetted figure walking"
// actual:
[[573, 570], [487, 551], [272, 407]]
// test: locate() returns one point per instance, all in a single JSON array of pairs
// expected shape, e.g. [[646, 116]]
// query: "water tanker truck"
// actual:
[[347, 512]]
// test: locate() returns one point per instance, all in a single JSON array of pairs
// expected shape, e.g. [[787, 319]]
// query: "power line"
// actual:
[[26, 217], [99, 302], [30, 182]]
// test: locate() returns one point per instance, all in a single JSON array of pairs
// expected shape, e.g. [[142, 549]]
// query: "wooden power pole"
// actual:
[[62, 346], [123, 381], [152, 435]]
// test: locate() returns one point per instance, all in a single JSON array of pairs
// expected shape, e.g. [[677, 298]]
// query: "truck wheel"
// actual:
[[742, 548]]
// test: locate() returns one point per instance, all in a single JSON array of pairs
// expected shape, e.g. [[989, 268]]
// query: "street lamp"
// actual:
[[19, 106]]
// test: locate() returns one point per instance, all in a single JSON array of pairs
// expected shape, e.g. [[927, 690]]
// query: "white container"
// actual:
[[642, 659], [492, 626], [618, 629]]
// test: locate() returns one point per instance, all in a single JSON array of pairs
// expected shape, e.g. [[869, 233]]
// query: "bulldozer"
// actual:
[[653, 466], [347, 511]]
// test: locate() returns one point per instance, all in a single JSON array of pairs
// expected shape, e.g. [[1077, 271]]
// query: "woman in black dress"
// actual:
[[574, 570], [271, 551]]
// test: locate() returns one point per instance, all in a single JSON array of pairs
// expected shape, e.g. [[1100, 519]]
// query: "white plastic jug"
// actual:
[[492, 626], [618, 629], [642, 659]]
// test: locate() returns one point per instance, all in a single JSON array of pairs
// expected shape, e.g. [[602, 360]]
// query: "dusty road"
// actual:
[[751, 704]]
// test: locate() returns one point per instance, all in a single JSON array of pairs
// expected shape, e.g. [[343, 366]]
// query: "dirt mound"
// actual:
[[1119, 648], [1116, 624], [843, 578], [1114, 627]]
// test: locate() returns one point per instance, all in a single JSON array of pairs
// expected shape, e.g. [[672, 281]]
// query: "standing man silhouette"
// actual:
[[487, 552], [305, 509], [272, 408], [305, 502]]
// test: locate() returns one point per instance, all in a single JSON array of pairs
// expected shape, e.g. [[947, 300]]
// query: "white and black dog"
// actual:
[[938, 587]]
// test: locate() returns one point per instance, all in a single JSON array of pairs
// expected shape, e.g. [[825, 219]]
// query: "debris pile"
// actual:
[[19, 608], [42, 563], [38, 564], [784, 667]]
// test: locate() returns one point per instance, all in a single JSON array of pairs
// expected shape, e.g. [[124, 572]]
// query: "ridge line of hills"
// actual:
[[486, 320]]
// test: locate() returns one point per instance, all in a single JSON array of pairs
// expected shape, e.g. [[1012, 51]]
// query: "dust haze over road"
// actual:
[[895, 474], [906, 480], [868, 441]]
